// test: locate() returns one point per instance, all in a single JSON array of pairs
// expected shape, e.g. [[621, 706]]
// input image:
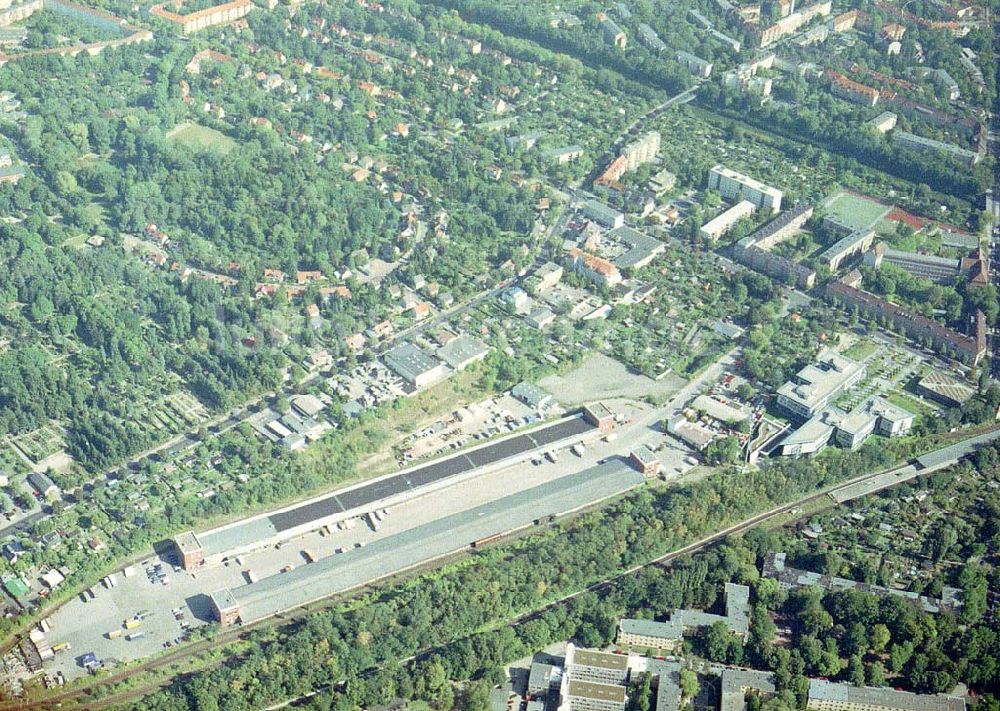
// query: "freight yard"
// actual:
[[266, 564]]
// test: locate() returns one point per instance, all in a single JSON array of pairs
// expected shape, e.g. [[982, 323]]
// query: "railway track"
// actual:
[[826, 495]]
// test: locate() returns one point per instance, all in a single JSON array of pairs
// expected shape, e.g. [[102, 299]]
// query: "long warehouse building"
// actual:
[[386, 556], [258, 532]]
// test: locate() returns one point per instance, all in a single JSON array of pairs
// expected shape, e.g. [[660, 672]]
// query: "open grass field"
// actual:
[[855, 209], [200, 137]]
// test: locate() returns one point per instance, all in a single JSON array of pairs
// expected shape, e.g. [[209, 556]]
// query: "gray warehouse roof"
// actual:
[[461, 351], [409, 362], [391, 554]]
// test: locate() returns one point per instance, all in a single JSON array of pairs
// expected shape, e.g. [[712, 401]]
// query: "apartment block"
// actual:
[[736, 186]]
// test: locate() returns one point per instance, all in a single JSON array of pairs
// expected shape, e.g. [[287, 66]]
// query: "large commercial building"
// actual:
[[809, 438], [722, 223], [919, 143], [830, 696], [736, 186], [225, 608], [815, 386], [967, 349], [413, 365]]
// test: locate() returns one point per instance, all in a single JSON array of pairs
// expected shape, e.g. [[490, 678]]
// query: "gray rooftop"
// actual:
[[393, 553], [882, 697], [599, 692], [409, 361], [462, 350], [736, 682], [669, 630], [641, 247], [224, 599]]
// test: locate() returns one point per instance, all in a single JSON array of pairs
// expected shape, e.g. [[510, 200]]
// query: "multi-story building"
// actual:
[[736, 186], [596, 667], [793, 22], [696, 65], [944, 80], [844, 21], [566, 154], [788, 578], [967, 349], [189, 550], [736, 684], [642, 150], [913, 142], [853, 244], [722, 223], [603, 215], [596, 269], [647, 634], [812, 436], [777, 267], [202, 19], [851, 90], [744, 77], [884, 122], [648, 36], [855, 428], [543, 679], [779, 229], [225, 607], [830, 696], [613, 34], [893, 421], [815, 386]]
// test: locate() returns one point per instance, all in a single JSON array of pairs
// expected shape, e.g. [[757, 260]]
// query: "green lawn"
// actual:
[[855, 209], [197, 136], [861, 350]]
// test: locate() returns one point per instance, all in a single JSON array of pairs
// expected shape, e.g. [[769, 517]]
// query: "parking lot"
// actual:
[[85, 624]]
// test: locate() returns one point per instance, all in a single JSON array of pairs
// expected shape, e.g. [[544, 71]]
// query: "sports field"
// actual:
[[196, 136], [855, 209]]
